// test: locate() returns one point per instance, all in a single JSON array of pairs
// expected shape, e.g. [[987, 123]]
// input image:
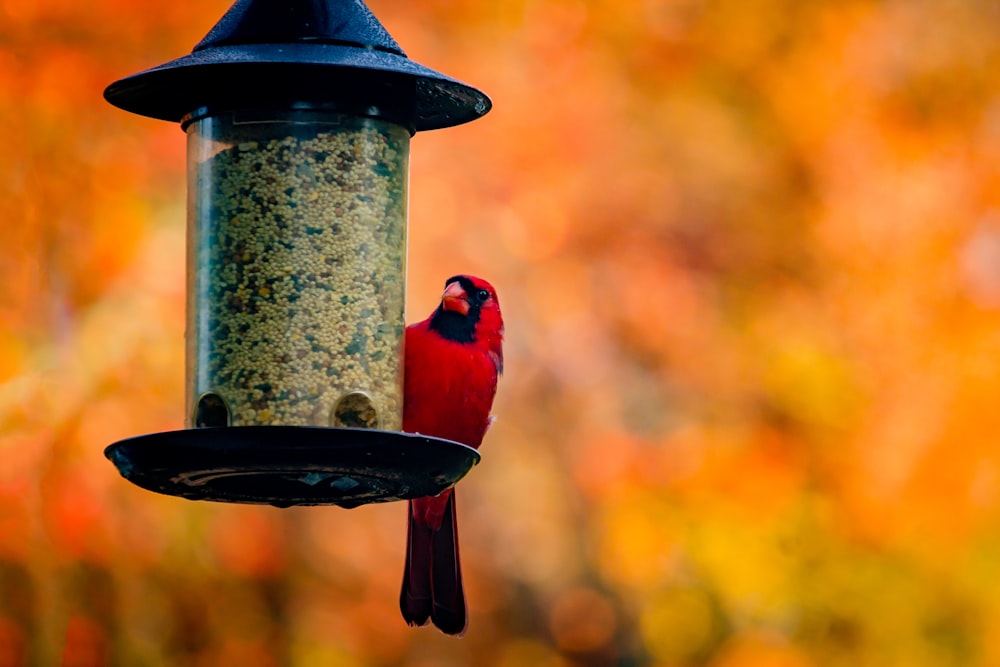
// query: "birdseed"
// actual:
[[300, 260]]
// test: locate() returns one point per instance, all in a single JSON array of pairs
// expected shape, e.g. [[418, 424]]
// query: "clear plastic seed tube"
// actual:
[[296, 270]]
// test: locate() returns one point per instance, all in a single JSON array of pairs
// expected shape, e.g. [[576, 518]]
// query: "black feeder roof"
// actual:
[[323, 52]]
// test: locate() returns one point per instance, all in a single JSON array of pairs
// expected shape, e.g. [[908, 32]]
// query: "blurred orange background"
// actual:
[[749, 260]]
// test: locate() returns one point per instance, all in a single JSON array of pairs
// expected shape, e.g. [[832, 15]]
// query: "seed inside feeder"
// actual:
[[298, 250]]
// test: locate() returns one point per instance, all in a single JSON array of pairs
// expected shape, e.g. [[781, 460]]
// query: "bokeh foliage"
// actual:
[[749, 257]]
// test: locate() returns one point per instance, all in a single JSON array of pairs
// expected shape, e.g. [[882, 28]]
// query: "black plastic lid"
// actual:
[[324, 52]]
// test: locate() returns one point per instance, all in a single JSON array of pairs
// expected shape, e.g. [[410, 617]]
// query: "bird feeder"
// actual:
[[298, 116]]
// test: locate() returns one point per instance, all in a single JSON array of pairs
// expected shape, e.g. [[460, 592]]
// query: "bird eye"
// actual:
[[482, 295]]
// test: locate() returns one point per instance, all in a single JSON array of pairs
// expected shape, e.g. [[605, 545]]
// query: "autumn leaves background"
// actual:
[[749, 257]]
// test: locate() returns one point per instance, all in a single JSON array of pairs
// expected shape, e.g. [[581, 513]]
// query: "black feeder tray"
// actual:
[[292, 465], [329, 56]]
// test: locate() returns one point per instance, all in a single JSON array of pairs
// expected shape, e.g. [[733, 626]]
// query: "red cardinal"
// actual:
[[453, 361]]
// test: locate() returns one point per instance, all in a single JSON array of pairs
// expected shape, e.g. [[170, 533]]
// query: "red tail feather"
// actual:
[[415, 598], [432, 576]]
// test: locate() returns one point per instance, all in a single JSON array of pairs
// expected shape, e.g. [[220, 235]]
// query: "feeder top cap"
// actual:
[[346, 23], [301, 51]]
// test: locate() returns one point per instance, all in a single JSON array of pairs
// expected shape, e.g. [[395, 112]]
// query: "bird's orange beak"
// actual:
[[455, 299]]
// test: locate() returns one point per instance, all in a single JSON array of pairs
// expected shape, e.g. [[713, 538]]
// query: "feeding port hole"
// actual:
[[211, 411]]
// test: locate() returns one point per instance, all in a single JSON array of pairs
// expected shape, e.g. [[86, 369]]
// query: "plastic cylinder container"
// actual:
[[296, 269]]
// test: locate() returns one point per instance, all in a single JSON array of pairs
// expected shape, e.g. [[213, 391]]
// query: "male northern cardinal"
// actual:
[[452, 363]]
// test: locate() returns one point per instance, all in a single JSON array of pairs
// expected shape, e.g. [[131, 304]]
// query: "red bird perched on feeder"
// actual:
[[452, 363]]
